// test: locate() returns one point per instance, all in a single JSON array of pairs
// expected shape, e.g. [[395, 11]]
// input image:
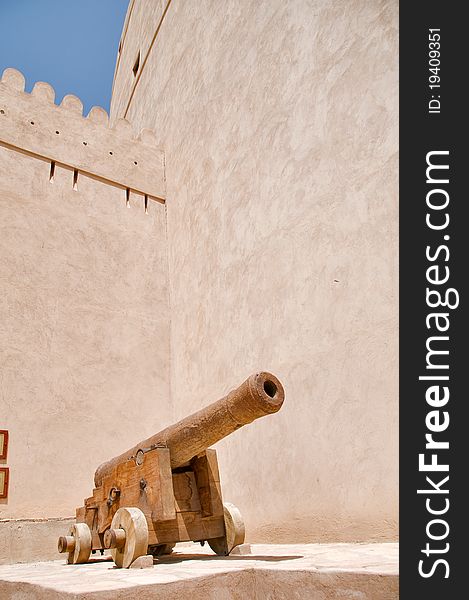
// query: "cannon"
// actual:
[[166, 489]]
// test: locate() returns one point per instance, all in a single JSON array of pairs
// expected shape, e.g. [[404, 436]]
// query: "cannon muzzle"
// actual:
[[260, 395]]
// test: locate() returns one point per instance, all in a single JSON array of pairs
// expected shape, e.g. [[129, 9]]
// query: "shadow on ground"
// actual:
[[180, 558], [176, 558]]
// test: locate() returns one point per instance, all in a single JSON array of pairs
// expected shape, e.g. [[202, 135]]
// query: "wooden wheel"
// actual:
[[77, 544], [234, 531], [127, 537]]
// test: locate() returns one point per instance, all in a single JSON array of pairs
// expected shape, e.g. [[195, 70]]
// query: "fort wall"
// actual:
[[84, 334], [279, 122]]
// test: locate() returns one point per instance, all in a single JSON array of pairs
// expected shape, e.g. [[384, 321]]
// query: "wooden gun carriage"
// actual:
[[166, 489]]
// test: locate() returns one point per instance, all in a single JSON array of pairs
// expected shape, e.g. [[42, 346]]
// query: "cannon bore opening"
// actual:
[[270, 388]]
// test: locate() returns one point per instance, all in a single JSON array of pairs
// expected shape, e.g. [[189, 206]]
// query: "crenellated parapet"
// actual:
[[34, 124]]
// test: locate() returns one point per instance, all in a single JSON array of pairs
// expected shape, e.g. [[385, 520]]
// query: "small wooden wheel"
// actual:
[[77, 544], [234, 531], [128, 535]]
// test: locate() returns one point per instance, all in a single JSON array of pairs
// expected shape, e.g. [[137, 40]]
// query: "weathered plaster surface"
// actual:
[[283, 572], [279, 124], [146, 16], [30, 540], [84, 334]]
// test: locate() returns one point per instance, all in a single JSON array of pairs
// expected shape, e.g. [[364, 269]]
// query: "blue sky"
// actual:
[[71, 44]]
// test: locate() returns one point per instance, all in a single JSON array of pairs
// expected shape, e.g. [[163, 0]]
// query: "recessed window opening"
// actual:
[[146, 204], [52, 171], [127, 197], [136, 65], [2, 112], [75, 179]]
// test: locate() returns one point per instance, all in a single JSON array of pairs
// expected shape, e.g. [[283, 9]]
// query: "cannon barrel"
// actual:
[[261, 394]]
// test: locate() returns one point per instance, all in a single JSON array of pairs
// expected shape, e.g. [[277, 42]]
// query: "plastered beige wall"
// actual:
[[28, 540], [84, 331], [133, 50], [279, 123]]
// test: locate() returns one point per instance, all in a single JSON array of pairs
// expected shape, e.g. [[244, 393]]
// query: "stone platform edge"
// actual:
[[277, 572]]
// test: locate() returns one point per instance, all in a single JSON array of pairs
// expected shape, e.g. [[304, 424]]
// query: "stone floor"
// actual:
[[257, 572]]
